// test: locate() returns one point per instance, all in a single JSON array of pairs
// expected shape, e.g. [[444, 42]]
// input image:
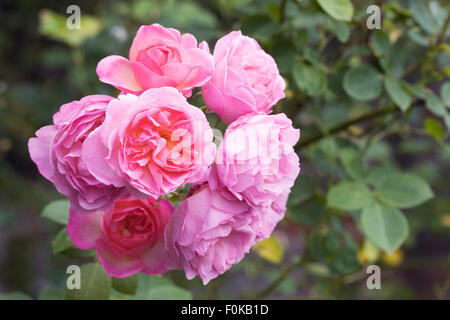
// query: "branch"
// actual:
[[345, 125], [286, 272]]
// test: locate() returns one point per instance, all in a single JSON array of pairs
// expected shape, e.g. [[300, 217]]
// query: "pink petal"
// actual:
[[116, 70], [84, 229], [148, 79], [148, 36], [115, 264], [93, 154], [40, 151]]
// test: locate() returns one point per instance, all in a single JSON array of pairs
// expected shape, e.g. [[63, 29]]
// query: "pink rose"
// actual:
[[245, 81], [57, 154], [256, 160], [159, 57], [128, 237], [152, 144], [211, 230]]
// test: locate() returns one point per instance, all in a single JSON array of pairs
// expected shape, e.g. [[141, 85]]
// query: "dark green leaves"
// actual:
[[403, 191], [57, 211], [348, 195], [363, 83], [125, 285], [386, 227], [95, 284], [352, 162], [311, 80], [338, 9], [62, 242]]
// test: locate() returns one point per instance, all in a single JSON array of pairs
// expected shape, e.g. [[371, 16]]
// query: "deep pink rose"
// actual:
[[128, 237], [57, 154], [152, 144], [159, 57], [256, 160], [245, 81], [211, 230]]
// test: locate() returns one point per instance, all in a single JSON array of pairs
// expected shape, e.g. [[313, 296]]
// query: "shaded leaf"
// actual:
[[125, 285], [398, 93], [363, 83]]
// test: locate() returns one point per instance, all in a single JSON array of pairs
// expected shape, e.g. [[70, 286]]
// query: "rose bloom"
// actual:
[[256, 160], [159, 57], [56, 150], [152, 144], [245, 81], [211, 230], [128, 237]]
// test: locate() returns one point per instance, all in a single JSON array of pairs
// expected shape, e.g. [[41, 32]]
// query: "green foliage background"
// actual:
[[372, 106]]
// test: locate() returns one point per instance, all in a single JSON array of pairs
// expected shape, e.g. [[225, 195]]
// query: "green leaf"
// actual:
[[51, 294], [423, 17], [445, 93], [15, 295], [95, 284], [386, 227], [270, 249], [402, 190], [348, 195], [376, 176], [303, 189], [382, 47], [341, 30], [398, 93], [309, 79], [57, 211], [62, 242], [310, 212], [352, 162], [159, 288], [434, 128], [338, 9], [363, 83], [435, 105], [125, 285]]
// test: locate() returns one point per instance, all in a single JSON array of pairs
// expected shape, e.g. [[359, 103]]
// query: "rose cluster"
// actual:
[[118, 160]]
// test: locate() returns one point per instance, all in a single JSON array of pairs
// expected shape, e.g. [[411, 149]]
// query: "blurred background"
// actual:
[[316, 251]]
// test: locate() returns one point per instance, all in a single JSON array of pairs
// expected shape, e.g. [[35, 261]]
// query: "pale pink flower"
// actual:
[[245, 81], [159, 57], [56, 150], [152, 144], [212, 229], [256, 160]]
